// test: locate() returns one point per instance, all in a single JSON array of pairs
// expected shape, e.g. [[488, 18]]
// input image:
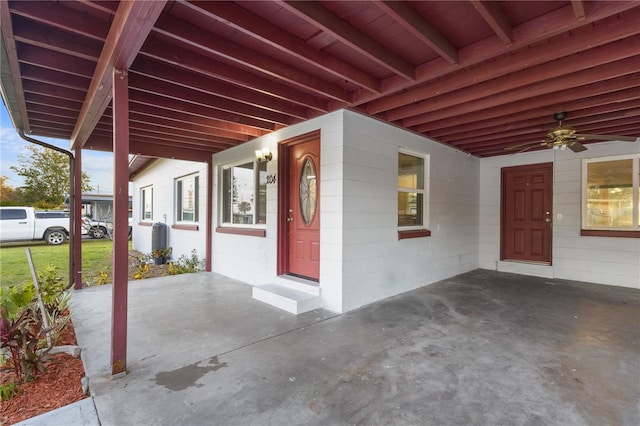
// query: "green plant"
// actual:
[[52, 290], [186, 264], [103, 278], [164, 252], [22, 325], [142, 272], [8, 390]]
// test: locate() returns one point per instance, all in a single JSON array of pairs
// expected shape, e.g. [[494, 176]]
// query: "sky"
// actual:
[[98, 165]]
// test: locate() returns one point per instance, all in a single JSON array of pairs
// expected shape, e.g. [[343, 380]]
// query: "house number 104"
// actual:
[[271, 179]]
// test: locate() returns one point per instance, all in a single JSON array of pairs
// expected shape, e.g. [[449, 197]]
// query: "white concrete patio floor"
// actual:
[[481, 348]]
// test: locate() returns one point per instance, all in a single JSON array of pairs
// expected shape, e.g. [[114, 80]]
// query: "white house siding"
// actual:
[[253, 259], [161, 175], [376, 264], [362, 259], [603, 260]]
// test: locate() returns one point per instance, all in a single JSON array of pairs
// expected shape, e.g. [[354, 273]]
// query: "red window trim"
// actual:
[[413, 233], [613, 234], [186, 226], [145, 223], [251, 232]]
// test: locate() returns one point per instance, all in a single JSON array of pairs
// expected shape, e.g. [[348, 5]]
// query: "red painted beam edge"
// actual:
[[613, 234], [416, 233], [242, 231]]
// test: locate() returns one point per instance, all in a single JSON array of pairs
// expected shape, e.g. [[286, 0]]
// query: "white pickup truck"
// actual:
[[26, 224]]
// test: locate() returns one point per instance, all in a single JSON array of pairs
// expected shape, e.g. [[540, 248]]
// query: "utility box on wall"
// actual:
[[159, 241]]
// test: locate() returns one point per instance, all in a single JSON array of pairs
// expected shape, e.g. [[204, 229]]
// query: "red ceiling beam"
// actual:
[[170, 127], [562, 100], [260, 28], [579, 9], [168, 138], [56, 14], [528, 33], [53, 91], [55, 61], [154, 100], [195, 37], [576, 107], [616, 127], [549, 87], [45, 37], [531, 79], [206, 66], [53, 111], [152, 150], [542, 129], [199, 145], [414, 23], [537, 118], [491, 13], [130, 27], [36, 98], [606, 31], [173, 91], [204, 124], [208, 85], [610, 91], [340, 29], [57, 78]]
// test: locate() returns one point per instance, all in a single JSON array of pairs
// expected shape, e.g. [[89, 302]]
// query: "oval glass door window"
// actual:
[[308, 191]]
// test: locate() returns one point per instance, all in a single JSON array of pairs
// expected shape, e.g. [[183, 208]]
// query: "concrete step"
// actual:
[[287, 298], [298, 283]]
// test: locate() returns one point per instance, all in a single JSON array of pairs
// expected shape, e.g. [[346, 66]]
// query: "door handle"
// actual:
[[289, 219], [547, 220]]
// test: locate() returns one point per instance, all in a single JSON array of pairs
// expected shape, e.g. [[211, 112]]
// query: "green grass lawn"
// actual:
[[14, 267]]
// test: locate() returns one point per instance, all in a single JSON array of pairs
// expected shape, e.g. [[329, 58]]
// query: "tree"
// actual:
[[9, 196], [46, 177]]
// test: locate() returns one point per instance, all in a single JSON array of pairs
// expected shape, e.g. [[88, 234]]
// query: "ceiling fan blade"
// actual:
[[577, 147], [584, 137]]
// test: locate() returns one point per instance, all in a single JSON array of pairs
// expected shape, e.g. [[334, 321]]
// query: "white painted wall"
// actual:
[[376, 264], [362, 259], [161, 174], [254, 259], [602, 260]]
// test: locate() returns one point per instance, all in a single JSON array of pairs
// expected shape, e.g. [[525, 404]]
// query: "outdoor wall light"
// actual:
[[264, 154]]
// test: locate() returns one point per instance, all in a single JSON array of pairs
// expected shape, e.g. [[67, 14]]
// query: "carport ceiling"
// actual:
[[206, 76]]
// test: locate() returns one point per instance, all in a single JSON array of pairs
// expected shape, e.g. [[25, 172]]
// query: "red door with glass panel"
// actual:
[[302, 209], [526, 213]]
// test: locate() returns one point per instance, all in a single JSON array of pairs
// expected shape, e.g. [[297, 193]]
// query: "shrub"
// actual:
[[22, 330], [186, 264], [8, 390]]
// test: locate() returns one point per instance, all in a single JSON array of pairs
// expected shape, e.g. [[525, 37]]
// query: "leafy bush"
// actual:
[[8, 390], [22, 325], [187, 264], [52, 290]]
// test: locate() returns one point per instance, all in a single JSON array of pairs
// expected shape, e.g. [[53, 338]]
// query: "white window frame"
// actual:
[[178, 188], [256, 177], [146, 192], [424, 192], [635, 182]]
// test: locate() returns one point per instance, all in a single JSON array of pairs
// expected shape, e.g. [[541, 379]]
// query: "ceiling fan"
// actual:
[[563, 137]]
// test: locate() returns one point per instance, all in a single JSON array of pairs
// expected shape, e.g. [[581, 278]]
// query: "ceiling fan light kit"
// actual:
[[561, 138]]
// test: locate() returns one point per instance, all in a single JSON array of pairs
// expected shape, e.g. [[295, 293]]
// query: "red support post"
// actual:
[[209, 225], [76, 204], [120, 108]]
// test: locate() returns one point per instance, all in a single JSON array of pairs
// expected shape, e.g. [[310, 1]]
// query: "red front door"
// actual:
[[526, 213], [303, 209]]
